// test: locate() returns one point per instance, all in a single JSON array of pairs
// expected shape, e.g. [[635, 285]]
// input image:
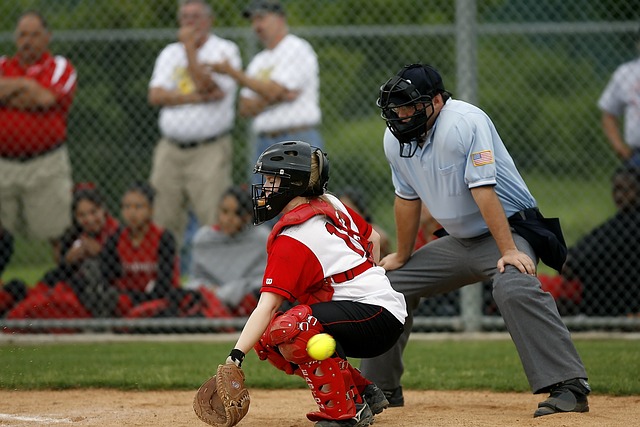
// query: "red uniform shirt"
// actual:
[[298, 262], [151, 266], [28, 133]]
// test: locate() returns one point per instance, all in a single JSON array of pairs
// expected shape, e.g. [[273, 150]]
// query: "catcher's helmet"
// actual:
[[413, 85], [291, 161]]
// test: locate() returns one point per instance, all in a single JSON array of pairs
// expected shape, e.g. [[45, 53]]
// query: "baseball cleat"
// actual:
[[375, 398], [567, 396], [363, 418]]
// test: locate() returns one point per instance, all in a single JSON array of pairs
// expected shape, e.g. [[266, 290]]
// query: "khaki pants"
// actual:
[[194, 177], [36, 195]]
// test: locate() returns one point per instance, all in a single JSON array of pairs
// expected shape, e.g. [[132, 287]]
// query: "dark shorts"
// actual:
[[361, 330]]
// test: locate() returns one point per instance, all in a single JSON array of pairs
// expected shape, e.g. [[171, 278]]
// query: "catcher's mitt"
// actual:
[[223, 400]]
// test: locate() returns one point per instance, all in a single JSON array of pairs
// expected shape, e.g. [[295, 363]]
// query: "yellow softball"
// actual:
[[321, 346]]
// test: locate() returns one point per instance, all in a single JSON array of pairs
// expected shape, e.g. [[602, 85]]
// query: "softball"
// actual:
[[321, 346]]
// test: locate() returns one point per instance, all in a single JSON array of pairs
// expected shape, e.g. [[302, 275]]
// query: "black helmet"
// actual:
[[291, 162], [413, 84]]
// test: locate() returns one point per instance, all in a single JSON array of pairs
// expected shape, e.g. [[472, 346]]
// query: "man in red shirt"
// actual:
[[36, 91]]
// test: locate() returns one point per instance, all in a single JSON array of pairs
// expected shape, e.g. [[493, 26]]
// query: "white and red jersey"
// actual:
[[303, 257], [29, 132]]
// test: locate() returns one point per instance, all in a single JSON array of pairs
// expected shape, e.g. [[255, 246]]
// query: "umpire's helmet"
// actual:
[[414, 84], [292, 162]]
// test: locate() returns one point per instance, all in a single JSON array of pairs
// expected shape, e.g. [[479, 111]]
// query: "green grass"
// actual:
[[613, 366]]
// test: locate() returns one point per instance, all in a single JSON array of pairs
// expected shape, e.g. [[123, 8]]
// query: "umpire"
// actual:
[[448, 154]]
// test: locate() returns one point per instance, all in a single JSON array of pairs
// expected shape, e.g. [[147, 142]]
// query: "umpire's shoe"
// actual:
[[395, 397], [567, 396]]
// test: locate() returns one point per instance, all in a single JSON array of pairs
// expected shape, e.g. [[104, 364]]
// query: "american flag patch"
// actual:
[[482, 158]]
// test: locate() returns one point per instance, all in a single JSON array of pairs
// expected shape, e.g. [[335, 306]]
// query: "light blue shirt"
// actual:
[[463, 150]]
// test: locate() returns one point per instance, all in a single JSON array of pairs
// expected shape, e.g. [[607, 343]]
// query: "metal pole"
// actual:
[[467, 89], [466, 50]]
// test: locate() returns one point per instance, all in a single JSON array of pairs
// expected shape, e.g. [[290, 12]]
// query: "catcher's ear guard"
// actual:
[[223, 400]]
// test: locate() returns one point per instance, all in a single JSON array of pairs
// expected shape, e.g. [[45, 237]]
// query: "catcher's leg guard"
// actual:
[[284, 342], [333, 389], [266, 350], [291, 331]]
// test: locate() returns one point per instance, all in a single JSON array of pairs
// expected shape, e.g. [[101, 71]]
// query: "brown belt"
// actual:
[[278, 133], [185, 145]]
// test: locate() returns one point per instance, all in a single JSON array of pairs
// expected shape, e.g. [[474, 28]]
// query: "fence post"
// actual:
[[466, 50]]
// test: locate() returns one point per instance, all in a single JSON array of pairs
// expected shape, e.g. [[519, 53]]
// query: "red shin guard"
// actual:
[[333, 389]]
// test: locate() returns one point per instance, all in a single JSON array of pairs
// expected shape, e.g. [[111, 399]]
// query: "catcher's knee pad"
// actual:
[[291, 331], [332, 387], [265, 350]]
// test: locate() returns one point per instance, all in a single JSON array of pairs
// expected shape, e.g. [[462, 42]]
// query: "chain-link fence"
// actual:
[[537, 68]]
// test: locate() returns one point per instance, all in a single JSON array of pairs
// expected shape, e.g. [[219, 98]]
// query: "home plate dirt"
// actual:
[[287, 408]]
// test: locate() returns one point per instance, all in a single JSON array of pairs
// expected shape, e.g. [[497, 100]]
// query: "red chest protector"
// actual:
[[321, 291]]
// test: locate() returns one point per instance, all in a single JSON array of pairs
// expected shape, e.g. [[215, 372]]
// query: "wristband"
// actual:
[[237, 357]]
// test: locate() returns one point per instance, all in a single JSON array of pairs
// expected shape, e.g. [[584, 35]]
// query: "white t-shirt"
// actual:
[[293, 64], [622, 97], [190, 122]]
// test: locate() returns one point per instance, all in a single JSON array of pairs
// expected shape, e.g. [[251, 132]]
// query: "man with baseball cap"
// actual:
[[281, 85], [448, 154]]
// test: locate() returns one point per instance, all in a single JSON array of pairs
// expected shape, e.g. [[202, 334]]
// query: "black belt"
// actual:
[[25, 157], [277, 133], [186, 145]]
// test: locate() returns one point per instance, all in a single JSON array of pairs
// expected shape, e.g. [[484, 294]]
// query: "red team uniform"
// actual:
[[56, 296], [320, 255], [145, 274], [31, 135]]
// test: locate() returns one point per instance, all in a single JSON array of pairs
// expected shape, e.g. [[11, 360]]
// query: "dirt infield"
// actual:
[[287, 408]]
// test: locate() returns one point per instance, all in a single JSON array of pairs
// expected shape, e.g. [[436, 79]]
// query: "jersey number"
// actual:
[[348, 236]]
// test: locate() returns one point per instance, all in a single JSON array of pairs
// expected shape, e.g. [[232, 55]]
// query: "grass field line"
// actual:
[[232, 337]]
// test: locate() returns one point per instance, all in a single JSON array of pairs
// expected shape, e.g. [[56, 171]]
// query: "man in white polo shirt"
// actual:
[[281, 84], [193, 159], [621, 100]]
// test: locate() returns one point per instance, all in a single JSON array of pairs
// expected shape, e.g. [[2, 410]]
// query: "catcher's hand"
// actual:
[[223, 400]]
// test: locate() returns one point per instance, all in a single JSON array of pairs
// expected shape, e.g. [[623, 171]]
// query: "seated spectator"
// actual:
[[354, 199], [607, 260], [64, 291], [140, 262], [228, 258], [14, 290]]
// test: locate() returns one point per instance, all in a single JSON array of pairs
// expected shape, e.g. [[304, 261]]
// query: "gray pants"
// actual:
[[530, 314]]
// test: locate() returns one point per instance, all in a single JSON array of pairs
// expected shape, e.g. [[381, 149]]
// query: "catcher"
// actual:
[[322, 255]]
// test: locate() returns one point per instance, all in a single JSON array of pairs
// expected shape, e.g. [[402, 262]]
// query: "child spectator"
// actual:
[[67, 291], [15, 289], [140, 261], [229, 258]]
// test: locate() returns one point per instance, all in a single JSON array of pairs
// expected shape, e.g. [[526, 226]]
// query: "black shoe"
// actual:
[[395, 397], [567, 396], [363, 418], [375, 398]]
